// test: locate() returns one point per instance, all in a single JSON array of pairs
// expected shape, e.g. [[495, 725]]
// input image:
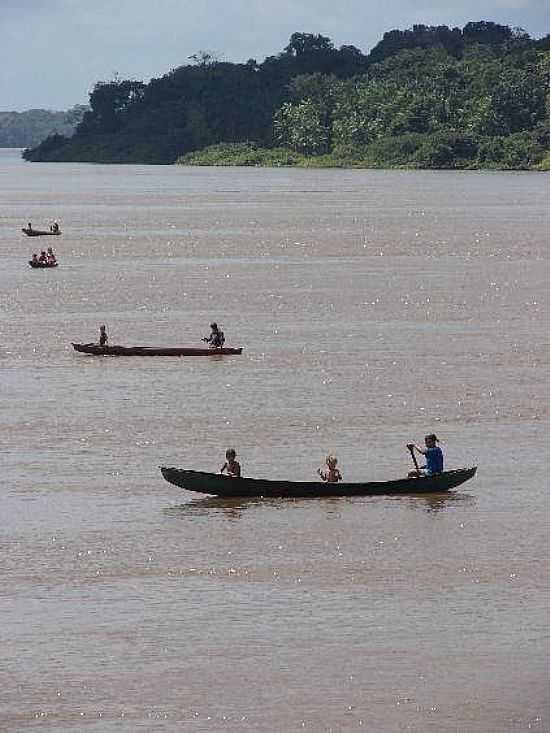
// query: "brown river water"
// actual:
[[373, 307]]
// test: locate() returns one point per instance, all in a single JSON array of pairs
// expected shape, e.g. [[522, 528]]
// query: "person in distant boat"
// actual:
[[216, 338], [103, 338], [51, 257], [330, 472], [54, 227], [231, 467], [43, 257], [433, 455], [29, 226]]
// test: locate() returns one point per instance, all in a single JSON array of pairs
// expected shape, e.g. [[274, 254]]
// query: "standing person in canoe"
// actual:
[[103, 338], [231, 467], [330, 473], [433, 454], [216, 338]]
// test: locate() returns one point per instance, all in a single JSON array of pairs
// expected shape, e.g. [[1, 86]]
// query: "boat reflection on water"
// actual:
[[435, 502], [209, 505], [233, 508]]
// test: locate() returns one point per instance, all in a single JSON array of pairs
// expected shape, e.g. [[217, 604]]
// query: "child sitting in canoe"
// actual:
[[231, 466], [330, 473], [433, 455]]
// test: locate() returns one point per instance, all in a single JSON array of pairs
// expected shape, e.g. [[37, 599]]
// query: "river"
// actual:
[[373, 307]]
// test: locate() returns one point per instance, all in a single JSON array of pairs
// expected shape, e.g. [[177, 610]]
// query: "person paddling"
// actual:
[[433, 454], [103, 338], [216, 339], [231, 467]]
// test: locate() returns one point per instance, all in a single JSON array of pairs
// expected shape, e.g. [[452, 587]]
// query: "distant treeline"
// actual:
[[429, 97], [24, 129]]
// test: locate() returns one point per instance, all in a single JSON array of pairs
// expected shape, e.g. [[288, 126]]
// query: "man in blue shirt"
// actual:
[[433, 455]]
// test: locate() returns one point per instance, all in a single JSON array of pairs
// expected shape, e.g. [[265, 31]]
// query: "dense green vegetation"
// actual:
[[430, 97], [23, 129]]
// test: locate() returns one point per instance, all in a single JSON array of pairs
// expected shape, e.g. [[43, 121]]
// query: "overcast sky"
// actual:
[[53, 51]]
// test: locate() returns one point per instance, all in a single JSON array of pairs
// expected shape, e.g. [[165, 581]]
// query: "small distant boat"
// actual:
[[228, 486], [42, 264], [97, 350], [40, 232]]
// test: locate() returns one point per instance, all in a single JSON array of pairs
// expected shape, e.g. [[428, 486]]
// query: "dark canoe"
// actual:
[[40, 232], [41, 265], [97, 350], [226, 486]]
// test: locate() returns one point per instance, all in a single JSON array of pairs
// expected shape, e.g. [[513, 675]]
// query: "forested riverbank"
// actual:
[[429, 97], [20, 129]]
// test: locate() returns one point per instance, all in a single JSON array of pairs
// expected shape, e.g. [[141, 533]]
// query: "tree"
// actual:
[[204, 58], [301, 44], [486, 32], [74, 115], [299, 127], [518, 102], [109, 101]]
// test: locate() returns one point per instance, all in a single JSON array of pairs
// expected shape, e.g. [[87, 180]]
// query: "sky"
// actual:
[[52, 52]]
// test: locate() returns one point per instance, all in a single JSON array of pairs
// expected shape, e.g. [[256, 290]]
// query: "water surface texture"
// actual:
[[373, 307]]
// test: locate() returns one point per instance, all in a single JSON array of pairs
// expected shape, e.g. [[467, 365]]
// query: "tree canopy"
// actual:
[[430, 96]]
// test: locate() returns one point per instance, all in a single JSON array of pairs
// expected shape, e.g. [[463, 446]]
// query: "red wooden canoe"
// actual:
[[97, 350]]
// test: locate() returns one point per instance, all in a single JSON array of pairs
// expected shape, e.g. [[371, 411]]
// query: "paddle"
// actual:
[[411, 451]]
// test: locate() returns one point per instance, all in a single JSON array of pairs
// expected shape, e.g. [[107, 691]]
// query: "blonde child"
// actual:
[[330, 473]]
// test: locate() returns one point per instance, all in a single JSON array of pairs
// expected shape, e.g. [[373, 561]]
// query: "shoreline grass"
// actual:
[[379, 158]]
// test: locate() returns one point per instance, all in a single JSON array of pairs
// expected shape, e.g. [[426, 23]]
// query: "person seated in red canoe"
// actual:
[[35, 259], [216, 338], [43, 257], [433, 455], [51, 257], [330, 473], [231, 467], [103, 338]]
